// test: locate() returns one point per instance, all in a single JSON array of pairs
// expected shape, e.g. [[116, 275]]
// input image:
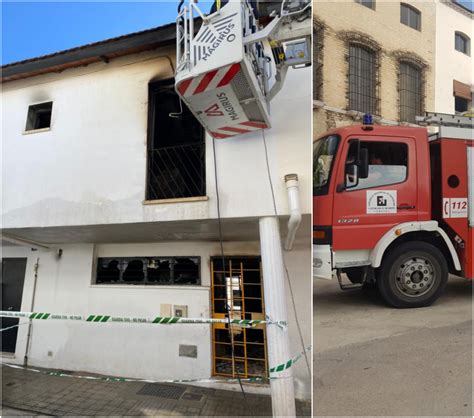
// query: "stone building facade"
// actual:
[[372, 57]]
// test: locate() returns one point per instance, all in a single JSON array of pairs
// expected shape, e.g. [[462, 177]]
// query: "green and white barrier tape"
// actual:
[[273, 370], [137, 320]]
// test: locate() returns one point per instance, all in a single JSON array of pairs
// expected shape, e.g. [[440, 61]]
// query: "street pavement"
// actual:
[[373, 360], [26, 393]]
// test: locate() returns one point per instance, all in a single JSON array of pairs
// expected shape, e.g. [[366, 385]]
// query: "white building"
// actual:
[[454, 64], [83, 132]]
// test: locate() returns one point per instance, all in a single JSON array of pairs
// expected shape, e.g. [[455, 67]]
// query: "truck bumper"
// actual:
[[322, 262]]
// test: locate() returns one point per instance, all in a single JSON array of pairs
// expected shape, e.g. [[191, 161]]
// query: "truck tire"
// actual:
[[412, 275]]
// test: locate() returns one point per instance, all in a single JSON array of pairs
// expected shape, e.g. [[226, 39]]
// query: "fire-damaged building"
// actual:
[[116, 201]]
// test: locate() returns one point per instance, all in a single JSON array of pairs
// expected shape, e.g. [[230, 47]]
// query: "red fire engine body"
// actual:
[[394, 206]]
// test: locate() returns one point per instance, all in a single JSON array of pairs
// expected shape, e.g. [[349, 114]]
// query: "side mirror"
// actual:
[[352, 176], [363, 163]]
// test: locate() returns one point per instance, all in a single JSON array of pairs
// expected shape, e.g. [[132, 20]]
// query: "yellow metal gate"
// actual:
[[238, 283]]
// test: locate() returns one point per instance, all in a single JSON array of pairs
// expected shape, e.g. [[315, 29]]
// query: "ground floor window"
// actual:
[[237, 291], [149, 270]]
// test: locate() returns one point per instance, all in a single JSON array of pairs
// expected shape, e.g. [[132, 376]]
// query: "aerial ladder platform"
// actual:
[[230, 69]]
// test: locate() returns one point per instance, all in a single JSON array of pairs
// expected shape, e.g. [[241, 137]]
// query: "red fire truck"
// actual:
[[394, 206]]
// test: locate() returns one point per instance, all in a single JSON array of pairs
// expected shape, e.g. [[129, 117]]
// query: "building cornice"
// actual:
[[458, 7]]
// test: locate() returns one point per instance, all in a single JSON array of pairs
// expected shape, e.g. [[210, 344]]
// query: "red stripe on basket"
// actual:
[[220, 136], [233, 129], [183, 86], [253, 124], [230, 74], [205, 81]]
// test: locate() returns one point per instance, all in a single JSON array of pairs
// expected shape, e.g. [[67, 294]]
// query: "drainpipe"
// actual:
[[282, 390], [291, 181]]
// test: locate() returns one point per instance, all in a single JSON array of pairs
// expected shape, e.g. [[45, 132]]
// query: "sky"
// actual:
[[32, 29]]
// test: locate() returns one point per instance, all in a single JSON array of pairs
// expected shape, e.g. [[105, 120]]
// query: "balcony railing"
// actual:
[[176, 172]]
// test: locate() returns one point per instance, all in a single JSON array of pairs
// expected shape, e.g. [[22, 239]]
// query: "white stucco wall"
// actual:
[[90, 168], [64, 285], [450, 63]]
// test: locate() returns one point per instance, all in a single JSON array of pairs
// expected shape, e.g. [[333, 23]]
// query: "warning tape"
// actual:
[[276, 369], [138, 320]]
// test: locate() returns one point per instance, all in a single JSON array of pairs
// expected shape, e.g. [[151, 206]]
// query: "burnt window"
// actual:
[[367, 3], [362, 78], [176, 152], [410, 16], [318, 33], [39, 116], [462, 43], [149, 270], [411, 92], [388, 164]]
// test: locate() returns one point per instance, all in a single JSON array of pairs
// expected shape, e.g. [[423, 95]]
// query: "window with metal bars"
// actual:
[[176, 151], [362, 78], [318, 62], [411, 91]]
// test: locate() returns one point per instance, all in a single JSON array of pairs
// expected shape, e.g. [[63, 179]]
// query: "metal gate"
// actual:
[[238, 284]]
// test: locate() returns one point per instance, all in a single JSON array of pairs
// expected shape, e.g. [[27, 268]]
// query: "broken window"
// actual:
[[39, 116], [176, 152], [149, 270]]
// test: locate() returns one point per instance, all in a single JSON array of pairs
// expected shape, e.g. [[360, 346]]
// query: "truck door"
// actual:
[[366, 208]]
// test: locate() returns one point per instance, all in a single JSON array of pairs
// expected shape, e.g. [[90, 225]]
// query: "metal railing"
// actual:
[[176, 172]]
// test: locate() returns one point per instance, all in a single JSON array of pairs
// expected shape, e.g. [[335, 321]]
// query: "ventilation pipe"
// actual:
[[292, 188]]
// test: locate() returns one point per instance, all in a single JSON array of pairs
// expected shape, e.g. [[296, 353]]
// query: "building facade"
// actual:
[[110, 207], [454, 62], [372, 57]]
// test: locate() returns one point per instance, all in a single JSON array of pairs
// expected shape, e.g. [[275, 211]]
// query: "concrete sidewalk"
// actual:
[[40, 394]]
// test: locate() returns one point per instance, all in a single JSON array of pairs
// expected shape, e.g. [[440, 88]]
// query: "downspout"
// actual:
[[292, 188]]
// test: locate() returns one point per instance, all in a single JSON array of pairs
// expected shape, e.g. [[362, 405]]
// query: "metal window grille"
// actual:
[[410, 16], [176, 172], [362, 79], [411, 84], [318, 62], [238, 283]]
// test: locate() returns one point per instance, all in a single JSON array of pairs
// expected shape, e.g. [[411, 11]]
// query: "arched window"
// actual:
[[410, 16], [362, 78], [462, 43], [411, 91]]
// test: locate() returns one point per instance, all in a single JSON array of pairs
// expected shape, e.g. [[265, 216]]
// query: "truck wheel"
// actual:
[[412, 275]]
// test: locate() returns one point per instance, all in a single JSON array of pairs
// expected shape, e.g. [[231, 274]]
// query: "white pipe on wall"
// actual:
[[292, 188]]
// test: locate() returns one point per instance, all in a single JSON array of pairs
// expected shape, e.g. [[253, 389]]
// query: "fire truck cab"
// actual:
[[394, 206]]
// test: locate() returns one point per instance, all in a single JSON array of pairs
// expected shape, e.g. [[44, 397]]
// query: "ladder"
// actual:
[[444, 119]]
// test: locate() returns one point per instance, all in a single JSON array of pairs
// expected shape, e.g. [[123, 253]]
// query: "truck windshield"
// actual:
[[323, 157]]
